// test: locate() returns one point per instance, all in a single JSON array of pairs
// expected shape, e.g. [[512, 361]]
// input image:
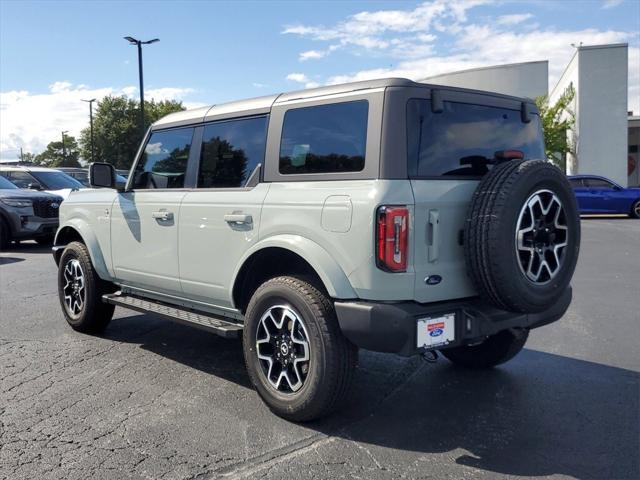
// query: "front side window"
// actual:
[[324, 139], [466, 139], [164, 160], [576, 183], [231, 150]]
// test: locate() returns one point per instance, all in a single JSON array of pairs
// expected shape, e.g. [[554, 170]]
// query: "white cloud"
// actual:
[[32, 120], [411, 35], [309, 54], [302, 78], [513, 19], [611, 3]]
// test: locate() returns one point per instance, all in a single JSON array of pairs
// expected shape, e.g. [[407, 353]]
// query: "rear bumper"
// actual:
[[392, 327]]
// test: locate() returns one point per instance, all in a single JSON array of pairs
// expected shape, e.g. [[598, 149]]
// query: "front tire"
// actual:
[[496, 349], [80, 291], [297, 358]]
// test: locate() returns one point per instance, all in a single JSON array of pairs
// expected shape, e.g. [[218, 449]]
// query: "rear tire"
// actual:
[[295, 388], [496, 349], [80, 291], [635, 209]]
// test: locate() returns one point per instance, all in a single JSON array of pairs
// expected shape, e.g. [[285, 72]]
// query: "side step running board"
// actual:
[[220, 326]]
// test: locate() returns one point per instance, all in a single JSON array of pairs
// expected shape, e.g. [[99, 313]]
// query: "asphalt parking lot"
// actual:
[[154, 399]]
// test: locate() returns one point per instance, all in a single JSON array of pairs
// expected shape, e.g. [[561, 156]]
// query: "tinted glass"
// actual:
[[324, 139], [597, 183], [576, 183], [463, 139], [231, 151], [56, 180], [164, 160], [6, 184], [20, 179]]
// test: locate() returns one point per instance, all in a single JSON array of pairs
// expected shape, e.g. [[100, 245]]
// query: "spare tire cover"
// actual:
[[522, 236]]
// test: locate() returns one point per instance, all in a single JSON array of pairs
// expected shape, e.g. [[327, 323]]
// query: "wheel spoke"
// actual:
[[541, 237], [282, 347]]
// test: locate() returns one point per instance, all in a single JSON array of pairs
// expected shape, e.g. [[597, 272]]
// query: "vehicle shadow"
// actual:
[[541, 414], [8, 260]]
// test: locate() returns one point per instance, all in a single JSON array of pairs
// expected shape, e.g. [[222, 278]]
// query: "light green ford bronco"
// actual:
[[387, 215]]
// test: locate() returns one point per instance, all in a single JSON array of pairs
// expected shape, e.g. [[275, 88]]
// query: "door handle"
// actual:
[[162, 215], [238, 218], [434, 238]]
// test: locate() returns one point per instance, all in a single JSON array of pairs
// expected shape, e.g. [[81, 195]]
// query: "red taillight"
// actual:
[[392, 238]]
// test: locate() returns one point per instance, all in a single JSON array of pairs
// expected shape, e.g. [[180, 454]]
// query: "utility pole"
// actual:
[[139, 44], [21, 155], [91, 125], [64, 151]]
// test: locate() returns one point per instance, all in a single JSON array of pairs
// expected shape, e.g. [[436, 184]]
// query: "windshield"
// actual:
[[6, 184], [56, 180]]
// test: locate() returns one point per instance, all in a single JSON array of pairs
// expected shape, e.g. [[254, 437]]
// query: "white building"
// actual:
[[605, 140]]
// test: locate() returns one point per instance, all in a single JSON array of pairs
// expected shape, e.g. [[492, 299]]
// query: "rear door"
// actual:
[[220, 218], [603, 196], [448, 153]]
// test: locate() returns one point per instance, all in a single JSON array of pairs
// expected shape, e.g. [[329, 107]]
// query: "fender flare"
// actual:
[[331, 274], [90, 240]]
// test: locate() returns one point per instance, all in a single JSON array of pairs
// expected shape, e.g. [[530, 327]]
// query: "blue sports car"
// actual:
[[601, 195]]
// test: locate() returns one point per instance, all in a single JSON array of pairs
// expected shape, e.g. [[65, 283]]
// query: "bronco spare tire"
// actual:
[[522, 236]]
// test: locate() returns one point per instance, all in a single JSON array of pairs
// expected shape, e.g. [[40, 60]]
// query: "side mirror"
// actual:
[[102, 175], [34, 186]]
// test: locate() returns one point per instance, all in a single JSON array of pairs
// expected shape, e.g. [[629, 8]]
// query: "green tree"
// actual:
[[28, 157], [557, 121], [116, 128], [55, 156]]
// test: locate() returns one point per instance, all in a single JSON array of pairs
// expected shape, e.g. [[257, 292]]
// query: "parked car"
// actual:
[[82, 175], [41, 178], [26, 215], [600, 195], [318, 222]]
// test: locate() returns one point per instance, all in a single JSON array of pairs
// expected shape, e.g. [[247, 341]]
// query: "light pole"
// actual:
[[64, 151], [139, 44], [90, 102]]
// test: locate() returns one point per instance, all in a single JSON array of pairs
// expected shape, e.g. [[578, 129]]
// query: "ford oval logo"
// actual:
[[433, 279], [436, 332], [55, 205]]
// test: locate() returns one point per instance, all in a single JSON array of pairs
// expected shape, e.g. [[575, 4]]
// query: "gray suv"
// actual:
[[386, 215], [27, 215]]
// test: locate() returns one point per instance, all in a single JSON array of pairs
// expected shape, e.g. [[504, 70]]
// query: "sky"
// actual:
[[53, 54]]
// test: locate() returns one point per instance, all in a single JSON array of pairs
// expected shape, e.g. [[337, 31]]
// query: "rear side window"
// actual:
[[164, 160], [20, 179], [464, 138], [597, 183], [230, 152], [325, 138]]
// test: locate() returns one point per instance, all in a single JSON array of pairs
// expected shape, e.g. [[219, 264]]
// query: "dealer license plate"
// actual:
[[436, 331]]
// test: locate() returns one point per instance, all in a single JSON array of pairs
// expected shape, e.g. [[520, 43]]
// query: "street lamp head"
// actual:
[[151, 41], [89, 101], [65, 131], [131, 40]]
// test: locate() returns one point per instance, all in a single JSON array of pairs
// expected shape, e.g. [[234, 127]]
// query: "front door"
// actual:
[[145, 218], [220, 219]]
